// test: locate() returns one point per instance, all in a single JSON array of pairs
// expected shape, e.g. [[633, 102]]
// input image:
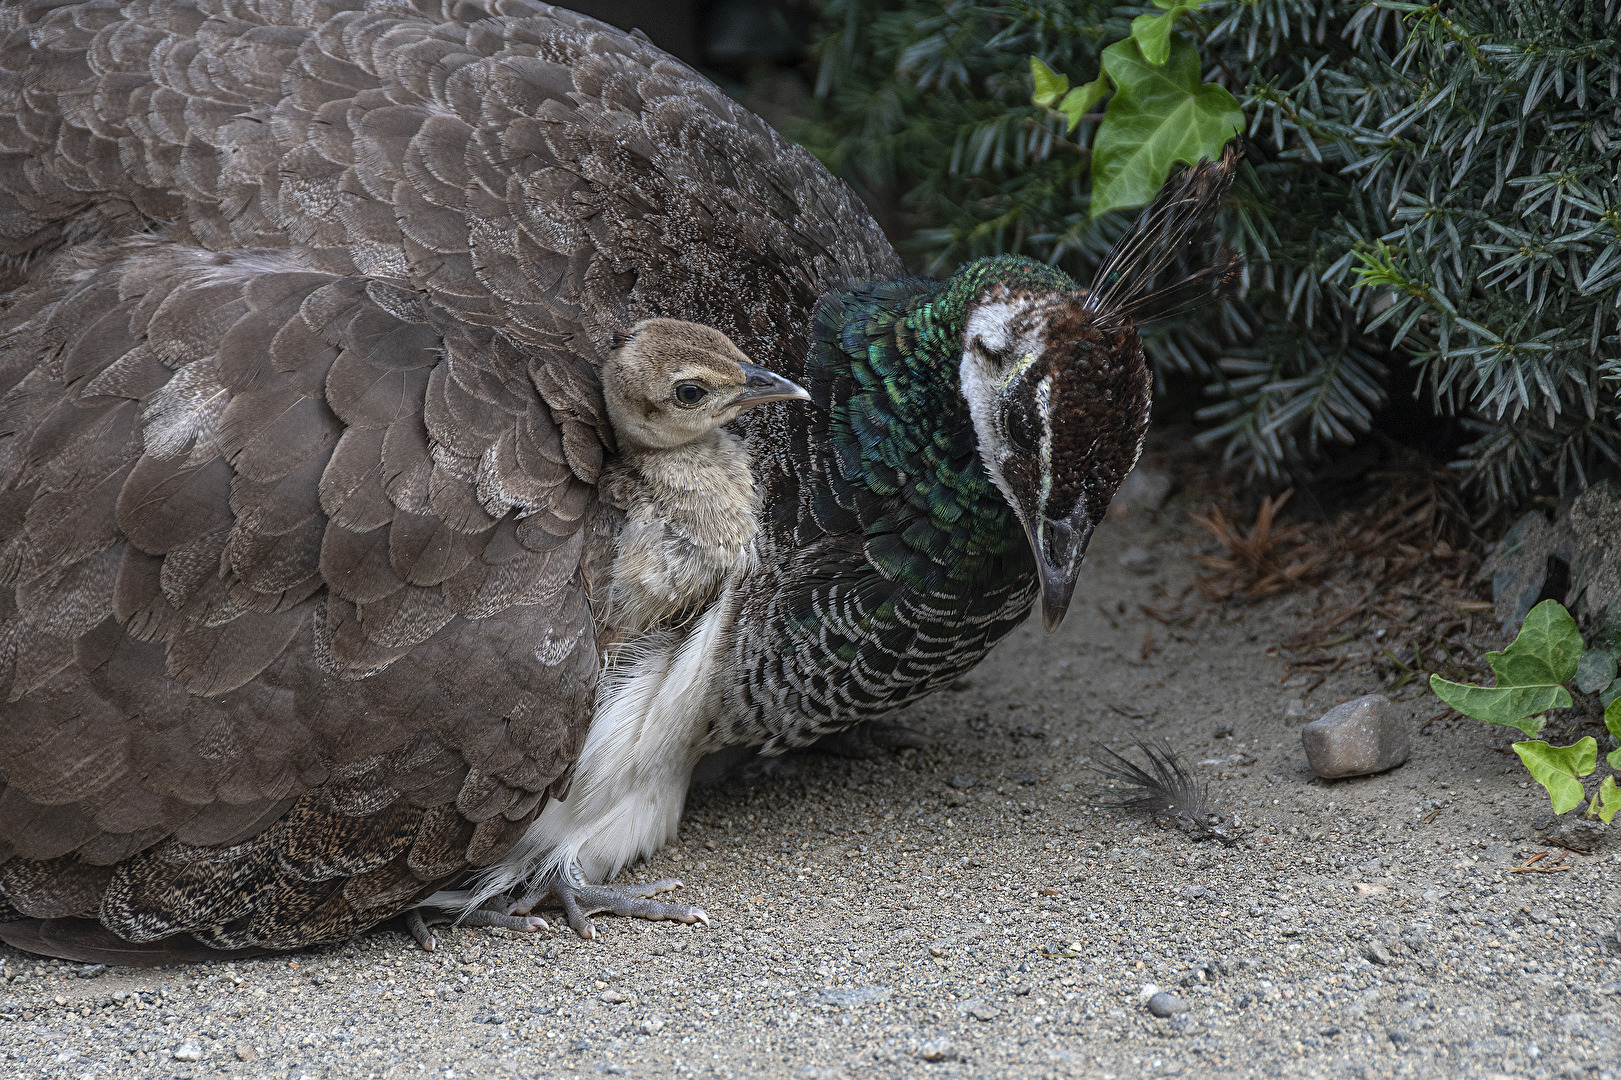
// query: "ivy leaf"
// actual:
[[1159, 115], [1612, 723], [1546, 651], [1511, 706], [1595, 671], [1606, 802], [1531, 673], [1079, 101], [1050, 85], [1557, 769], [1152, 33]]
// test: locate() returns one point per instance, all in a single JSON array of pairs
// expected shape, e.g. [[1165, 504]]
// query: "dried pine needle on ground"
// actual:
[[1397, 573]]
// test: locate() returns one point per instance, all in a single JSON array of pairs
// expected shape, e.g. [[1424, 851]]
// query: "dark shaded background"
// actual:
[[724, 38]]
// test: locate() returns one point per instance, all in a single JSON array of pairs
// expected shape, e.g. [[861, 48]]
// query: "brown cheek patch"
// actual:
[[1100, 399]]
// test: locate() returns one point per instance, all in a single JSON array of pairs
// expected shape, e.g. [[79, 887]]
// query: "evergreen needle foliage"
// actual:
[[1431, 200]]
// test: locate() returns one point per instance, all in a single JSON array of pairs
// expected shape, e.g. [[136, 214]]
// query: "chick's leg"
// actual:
[[579, 900], [417, 924]]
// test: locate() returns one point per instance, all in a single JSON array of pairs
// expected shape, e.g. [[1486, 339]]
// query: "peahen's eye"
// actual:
[[690, 394], [1021, 432]]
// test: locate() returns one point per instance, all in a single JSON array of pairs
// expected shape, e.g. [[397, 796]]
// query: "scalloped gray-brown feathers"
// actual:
[[301, 432]]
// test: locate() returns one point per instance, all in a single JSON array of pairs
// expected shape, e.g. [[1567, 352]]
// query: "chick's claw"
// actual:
[[580, 900]]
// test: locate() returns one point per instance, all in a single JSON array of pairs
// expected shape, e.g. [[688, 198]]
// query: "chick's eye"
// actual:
[[690, 394]]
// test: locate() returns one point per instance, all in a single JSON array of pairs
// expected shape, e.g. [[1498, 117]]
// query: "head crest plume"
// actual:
[[1124, 285]]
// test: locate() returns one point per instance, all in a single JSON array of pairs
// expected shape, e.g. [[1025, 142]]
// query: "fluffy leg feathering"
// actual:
[[650, 728]]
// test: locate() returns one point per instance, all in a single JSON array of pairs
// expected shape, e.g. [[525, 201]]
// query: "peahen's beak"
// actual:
[[764, 385], [1059, 545]]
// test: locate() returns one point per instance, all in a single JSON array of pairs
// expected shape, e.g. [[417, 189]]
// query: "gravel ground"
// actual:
[[960, 911]]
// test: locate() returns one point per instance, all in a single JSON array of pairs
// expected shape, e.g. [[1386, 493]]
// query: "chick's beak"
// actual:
[[763, 385], [1059, 545]]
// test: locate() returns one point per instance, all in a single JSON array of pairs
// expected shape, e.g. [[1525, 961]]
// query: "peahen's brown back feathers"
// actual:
[[300, 432]]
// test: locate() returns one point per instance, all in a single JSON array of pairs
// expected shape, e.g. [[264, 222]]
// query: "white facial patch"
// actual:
[[981, 385], [990, 324], [1044, 405], [994, 355]]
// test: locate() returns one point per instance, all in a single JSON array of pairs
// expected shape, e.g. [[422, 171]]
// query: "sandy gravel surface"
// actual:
[[958, 911]]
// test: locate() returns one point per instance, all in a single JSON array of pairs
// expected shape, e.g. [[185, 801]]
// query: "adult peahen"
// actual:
[[306, 530]]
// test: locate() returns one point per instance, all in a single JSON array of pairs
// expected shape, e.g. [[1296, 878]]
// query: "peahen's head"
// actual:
[[1060, 402], [1055, 377]]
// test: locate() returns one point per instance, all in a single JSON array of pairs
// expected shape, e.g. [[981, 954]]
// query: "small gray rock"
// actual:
[[979, 1010], [1366, 735], [188, 1052], [1197, 892], [1574, 829], [1139, 560], [1377, 953], [851, 997], [1165, 1004], [963, 781], [937, 1050]]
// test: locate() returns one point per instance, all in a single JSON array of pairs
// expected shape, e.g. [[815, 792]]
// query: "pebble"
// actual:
[[1377, 953], [1362, 888], [1197, 892], [1366, 735], [245, 1052], [188, 1052], [1574, 829], [963, 781], [1165, 1004], [651, 1025], [978, 1009], [1139, 560], [937, 1050], [613, 997], [851, 997]]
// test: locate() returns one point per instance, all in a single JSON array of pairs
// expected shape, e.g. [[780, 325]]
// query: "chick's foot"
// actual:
[[579, 900]]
